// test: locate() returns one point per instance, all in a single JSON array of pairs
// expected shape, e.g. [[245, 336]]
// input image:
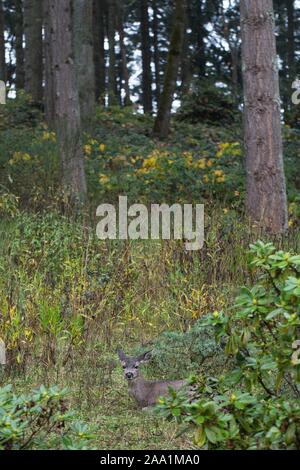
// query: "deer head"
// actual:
[[131, 364]]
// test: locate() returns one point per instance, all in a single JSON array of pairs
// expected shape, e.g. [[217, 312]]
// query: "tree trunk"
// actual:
[[67, 108], [99, 51], [201, 33], [123, 54], [146, 58], [20, 72], [33, 24], [49, 97], [112, 78], [187, 59], [156, 54], [162, 122], [2, 45], [266, 191], [290, 4], [84, 57]]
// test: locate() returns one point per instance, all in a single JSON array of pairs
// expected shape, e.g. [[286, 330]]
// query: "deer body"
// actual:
[[145, 392]]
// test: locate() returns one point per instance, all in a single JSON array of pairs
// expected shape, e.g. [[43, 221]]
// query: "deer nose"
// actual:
[[129, 375]]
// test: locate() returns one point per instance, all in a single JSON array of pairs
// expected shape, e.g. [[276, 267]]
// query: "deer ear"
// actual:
[[121, 354], [145, 357]]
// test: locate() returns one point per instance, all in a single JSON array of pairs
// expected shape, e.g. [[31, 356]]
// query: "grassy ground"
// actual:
[[67, 300], [63, 318]]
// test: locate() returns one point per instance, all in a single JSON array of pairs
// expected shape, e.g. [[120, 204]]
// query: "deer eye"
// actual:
[[136, 366]]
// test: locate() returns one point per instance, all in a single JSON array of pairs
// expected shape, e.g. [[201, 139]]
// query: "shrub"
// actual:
[[8, 203], [255, 406], [192, 350], [39, 420], [207, 103]]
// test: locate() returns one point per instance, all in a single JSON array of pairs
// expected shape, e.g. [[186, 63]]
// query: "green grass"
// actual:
[[67, 300]]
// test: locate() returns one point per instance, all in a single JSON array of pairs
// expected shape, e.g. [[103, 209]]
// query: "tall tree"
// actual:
[[266, 190], [99, 16], [84, 57], [112, 72], [2, 45], [156, 54], [162, 122], [123, 54], [33, 24], [200, 34], [146, 57], [66, 104], [49, 97], [19, 34], [187, 69], [290, 4]]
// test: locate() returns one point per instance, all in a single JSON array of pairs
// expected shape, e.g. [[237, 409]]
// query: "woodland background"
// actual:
[[162, 101]]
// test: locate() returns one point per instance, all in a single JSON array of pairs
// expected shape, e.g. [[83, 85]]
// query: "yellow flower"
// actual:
[[103, 179], [49, 136], [26, 157], [209, 163], [221, 179], [188, 158], [219, 173], [87, 149], [228, 148], [151, 162], [225, 211], [102, 148], [201, 164]]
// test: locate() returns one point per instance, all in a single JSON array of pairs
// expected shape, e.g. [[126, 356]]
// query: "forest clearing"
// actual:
[[161, 102]]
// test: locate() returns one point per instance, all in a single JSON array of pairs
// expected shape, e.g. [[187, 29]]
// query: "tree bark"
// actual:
[[156, 54], [146, 58], [2, 45], [200, 34], [123, 54], [290, 4], [162, 122], [49, 97], [187, 59], [112, 73], [67, 108], [19, 33], [99, 50], [33, 24], [266, 190], [84, 57]]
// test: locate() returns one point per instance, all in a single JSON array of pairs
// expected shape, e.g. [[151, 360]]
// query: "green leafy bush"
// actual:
[[192, 350], [207, 103], [255, 406], [40, 420], [8, 203]]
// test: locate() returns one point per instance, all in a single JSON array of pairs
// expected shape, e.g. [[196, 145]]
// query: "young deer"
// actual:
[[144, 391]]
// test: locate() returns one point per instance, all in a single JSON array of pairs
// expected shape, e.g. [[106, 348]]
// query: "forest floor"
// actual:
[[68, 301]]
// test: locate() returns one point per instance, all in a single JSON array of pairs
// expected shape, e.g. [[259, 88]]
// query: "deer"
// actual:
[[145, 392]]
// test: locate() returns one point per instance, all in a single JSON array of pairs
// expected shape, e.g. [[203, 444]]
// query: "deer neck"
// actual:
[[137, 388]]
